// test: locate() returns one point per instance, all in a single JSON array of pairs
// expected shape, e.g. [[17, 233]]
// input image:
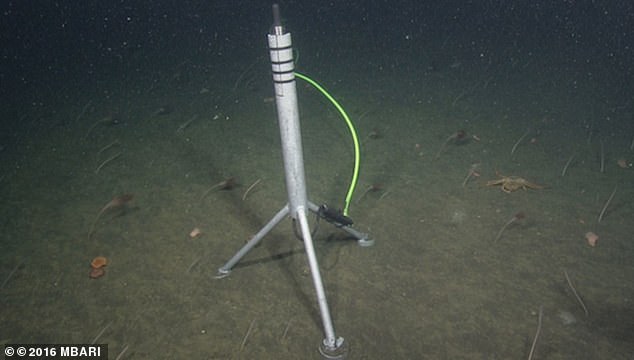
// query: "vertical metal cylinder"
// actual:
[[281, 51]]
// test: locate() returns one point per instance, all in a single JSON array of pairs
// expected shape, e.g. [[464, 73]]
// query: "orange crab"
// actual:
[[508, 184]]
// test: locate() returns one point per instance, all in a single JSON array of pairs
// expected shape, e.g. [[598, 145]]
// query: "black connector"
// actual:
[[335, 217]]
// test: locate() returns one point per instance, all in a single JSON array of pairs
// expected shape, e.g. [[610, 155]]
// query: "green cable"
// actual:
[[353, 132]]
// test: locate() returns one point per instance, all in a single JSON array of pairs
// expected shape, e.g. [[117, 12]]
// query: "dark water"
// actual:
[[177, 95]]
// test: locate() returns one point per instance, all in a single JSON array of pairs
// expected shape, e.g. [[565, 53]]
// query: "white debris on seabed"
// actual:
[[566, 318]]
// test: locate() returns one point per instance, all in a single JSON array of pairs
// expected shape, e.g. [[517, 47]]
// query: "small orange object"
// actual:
[[99, 262], [623, 164], [196, 232], [96, 273], [592, 238]]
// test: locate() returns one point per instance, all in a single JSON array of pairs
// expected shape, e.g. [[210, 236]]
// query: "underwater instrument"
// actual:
[[298, 205]]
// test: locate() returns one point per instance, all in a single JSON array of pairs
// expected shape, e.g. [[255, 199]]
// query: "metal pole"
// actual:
[[281, 52]]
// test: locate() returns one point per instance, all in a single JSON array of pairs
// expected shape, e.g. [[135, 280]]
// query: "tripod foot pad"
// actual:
[[337, 352]]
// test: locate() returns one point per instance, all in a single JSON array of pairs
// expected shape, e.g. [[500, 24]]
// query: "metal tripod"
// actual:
[[281, 53]]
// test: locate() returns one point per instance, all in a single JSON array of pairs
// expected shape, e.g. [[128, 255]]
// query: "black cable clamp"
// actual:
[[335, 217]]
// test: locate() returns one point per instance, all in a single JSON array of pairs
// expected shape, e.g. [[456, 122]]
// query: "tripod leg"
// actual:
[[363, 239], [226, 268], [331, 346]]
